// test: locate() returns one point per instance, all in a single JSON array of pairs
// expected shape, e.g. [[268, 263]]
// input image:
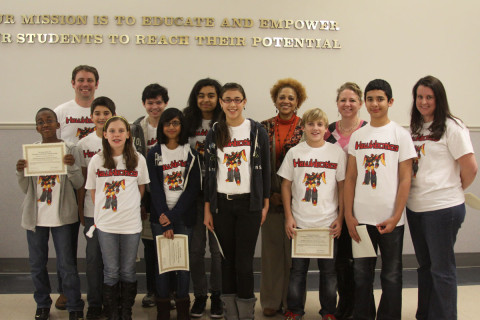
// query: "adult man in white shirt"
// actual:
[[75, 123]]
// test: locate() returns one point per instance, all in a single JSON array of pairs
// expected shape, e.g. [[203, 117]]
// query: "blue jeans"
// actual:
[[237, 230], [433, 235], [38, 257], [327, 292], [94, 270], [119, 253], [390, 307], [182, 277], [197, 257]]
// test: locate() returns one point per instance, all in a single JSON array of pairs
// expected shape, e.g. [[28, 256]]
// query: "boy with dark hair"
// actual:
[[144, 134], [50, 207], [380, 155], [102, 109]]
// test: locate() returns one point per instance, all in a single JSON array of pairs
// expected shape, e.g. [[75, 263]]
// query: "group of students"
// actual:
[[209, 166]]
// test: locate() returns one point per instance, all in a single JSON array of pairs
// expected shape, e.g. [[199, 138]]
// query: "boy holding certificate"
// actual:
[[312, 194], [377, 183], [50, 206]]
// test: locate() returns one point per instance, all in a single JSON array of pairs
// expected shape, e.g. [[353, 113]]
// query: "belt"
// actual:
[[234, 196]]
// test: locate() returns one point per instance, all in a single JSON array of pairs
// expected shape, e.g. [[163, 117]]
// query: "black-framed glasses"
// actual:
[[236, 100], [174, 123]]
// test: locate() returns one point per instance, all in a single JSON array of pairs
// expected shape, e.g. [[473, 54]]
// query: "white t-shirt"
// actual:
[[117, 198], [436, 183], [378, 152], [151, 136], [234, 171], [314, 173], [48, 198], [75, 122], [198, 142], [174, 163], [88, 147]]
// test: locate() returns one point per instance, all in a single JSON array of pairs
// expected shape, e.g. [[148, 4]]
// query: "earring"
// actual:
[[276, 111], [244, 108]]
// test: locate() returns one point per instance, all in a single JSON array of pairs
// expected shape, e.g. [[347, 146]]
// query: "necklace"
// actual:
[[348, 129], [293, 121]]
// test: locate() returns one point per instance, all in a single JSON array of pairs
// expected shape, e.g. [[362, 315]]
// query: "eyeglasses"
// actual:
[[171, 123], [236, 100]]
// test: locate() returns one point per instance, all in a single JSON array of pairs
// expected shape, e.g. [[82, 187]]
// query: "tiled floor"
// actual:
[[22, 306], [16, 298]]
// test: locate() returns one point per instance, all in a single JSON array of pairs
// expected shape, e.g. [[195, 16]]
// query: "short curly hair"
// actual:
[[289, 83]]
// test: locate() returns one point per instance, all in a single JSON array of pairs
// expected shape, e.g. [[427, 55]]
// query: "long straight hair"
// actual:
[[222, 132], [129, 154], [193, 114], [440, 114]]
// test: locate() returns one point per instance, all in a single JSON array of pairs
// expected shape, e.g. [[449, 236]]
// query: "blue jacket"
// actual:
[[260, 163], [185, 208]]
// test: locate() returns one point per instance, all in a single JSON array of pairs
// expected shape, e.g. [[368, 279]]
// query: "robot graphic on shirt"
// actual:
[[174, 181], [83, 132], [47, 183], [200, 148], [233, 161], [111, 190], [312, 181], [420, 150], [371, 163]]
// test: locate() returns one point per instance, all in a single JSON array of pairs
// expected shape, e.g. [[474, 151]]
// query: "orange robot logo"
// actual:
[[47, 183], [312, 181], [233, 161], [111, 190], [371, 163]]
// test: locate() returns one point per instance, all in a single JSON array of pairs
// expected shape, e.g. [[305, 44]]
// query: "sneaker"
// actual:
[[198, 308], [329, 317], [149, 300], [61, 303], [76, 315], [42, 314], [94, 313], [292, 316], [216, 306]]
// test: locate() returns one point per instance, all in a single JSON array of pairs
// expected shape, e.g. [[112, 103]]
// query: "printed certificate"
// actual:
[[312, 243], [44, 159], [172, 253]]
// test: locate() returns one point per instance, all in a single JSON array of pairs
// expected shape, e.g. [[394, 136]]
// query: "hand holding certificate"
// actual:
[[44, 159], [172, 253], [312, 243]]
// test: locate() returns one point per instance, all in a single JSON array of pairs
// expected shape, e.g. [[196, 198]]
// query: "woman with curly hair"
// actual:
[[284, 132]]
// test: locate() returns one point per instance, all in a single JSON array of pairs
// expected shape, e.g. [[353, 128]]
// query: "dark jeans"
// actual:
[[75, 229], [197, 257], [237, 229], [94, 269], [433, 235], [163, 281], [150, 257], [327, 288], [391, 247], [38, 257]]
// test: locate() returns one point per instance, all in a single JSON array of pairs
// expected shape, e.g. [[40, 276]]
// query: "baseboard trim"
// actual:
[[21, 265]]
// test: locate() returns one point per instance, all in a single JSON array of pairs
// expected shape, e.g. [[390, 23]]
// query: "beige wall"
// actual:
[[399, 41]]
